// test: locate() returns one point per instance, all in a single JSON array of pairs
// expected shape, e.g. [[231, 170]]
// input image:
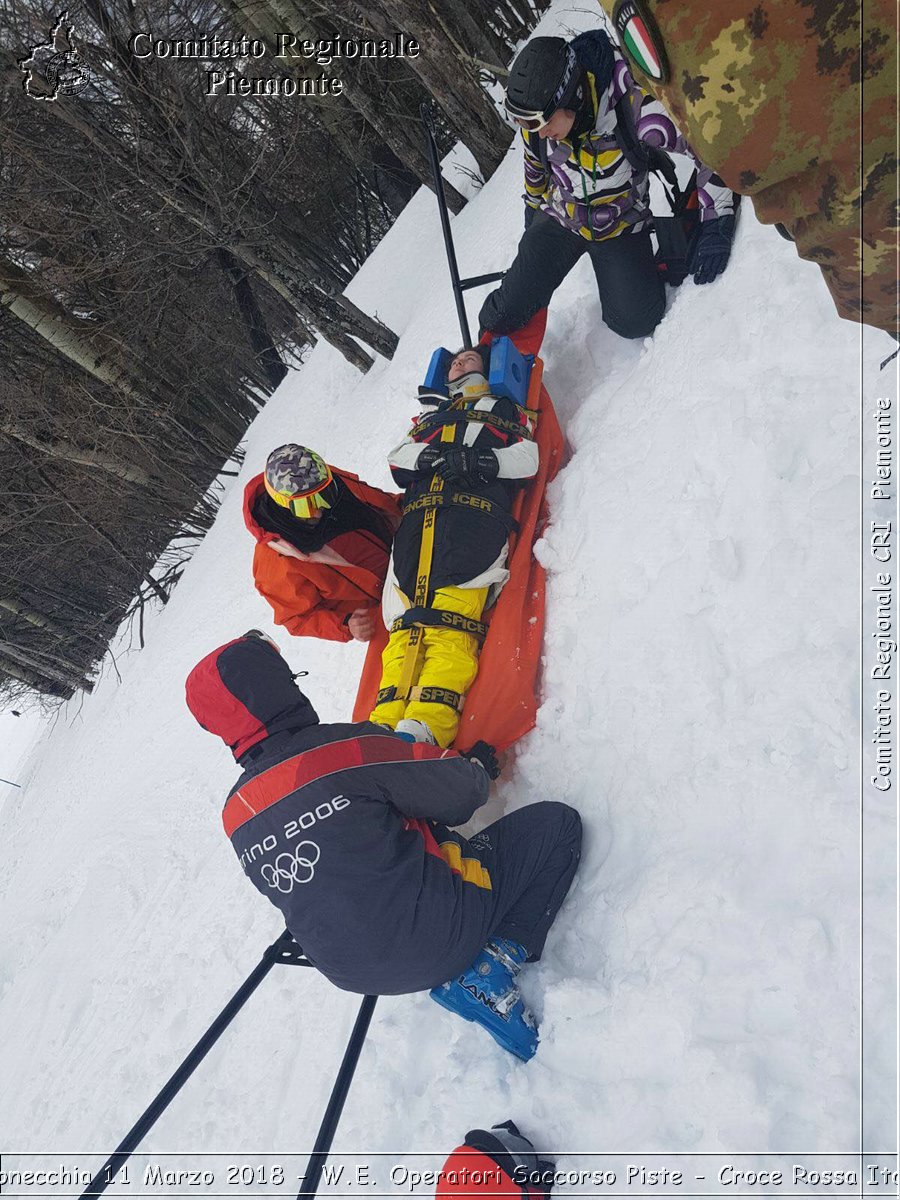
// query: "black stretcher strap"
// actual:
[[462, 500], [439, 420], [441, 618], [424, 695]]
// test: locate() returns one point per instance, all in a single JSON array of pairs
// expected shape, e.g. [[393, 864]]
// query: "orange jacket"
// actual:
[[314, 598]]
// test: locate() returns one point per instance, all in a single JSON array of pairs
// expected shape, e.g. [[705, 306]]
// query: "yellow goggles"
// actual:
[[309, 503]]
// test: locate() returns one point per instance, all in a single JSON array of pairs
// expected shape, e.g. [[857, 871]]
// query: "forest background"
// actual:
[[167, 256]]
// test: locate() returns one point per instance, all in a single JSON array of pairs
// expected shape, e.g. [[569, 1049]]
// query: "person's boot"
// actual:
[[488, 993], [415, 731]]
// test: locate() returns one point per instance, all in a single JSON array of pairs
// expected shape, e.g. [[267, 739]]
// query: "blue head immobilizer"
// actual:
[[508, 373]]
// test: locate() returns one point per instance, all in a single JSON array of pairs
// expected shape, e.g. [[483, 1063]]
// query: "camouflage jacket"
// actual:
[[587, 183], [792, 102]]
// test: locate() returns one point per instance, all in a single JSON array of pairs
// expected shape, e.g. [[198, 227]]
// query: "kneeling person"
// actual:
[[591, 137], [344, 827], [460, 465]]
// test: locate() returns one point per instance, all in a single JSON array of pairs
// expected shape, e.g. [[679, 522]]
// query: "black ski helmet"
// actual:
[[544, 76]]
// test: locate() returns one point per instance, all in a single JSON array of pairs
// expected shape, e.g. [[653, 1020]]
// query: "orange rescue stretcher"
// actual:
[[501, 705]]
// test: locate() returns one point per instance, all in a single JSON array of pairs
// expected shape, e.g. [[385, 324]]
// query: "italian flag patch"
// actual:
[[640, 39]]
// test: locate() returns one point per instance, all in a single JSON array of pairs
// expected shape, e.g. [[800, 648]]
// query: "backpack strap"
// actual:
[[627, 136], [640, 156]]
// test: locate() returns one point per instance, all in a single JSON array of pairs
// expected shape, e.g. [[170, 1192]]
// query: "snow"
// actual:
[[20, 728], [700, 989]]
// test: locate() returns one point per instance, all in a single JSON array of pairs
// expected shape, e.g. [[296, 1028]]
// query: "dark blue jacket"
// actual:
[[343, 828]]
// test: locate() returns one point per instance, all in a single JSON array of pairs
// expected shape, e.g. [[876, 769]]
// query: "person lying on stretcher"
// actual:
[[460, 466]]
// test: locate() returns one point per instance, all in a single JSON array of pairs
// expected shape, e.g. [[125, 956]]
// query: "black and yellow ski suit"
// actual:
[[467, 524]]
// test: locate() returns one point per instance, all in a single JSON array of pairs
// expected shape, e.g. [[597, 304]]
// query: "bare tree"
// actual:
[[166, 257]]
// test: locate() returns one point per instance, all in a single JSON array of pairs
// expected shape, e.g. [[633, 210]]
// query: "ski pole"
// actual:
[[10, 782], [283, 950], [329, 1125], [427, 112], [459, 285]]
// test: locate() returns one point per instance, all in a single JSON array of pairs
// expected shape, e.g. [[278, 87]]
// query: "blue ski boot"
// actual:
[[488, 993]]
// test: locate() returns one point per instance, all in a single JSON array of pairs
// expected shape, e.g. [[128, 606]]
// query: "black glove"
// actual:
[[465, 463], [712, 249], [530, 212], [486, 757], [426, 460]]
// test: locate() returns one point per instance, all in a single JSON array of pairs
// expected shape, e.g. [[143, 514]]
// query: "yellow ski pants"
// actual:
[[449, 661]]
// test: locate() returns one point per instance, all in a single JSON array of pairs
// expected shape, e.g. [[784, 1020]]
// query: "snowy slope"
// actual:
[[700, 988], [18, 735]]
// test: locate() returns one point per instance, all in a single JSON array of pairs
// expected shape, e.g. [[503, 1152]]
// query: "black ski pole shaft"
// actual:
[[428, 117], [10, 782], [170, 1090], [329, 1125]]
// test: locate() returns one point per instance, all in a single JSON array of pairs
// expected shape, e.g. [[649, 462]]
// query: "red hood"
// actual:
[[244, 692]]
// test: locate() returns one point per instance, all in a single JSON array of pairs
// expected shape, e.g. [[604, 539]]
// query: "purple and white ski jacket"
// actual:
[[590, 187]]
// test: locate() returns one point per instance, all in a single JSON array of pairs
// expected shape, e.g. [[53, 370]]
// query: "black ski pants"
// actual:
[[632, 293], [531, 855]]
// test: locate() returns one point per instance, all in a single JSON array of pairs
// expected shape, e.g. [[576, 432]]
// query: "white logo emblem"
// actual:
[[289, 869], [53, 68]]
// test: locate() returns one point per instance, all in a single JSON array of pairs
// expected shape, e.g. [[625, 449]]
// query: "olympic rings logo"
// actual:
[[289, 869]]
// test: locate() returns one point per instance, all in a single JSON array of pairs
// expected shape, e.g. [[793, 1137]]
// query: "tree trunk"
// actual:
[[185, 205], [257, 334], [23, 658], [60, 448], [377, 335], [76, 339], [360, 90], [257, 20], [393, 182], [407, 144], [455, 88], [38, 683], [181, 200], [469, 20], [40, 620], [31, 656], [71, 603]]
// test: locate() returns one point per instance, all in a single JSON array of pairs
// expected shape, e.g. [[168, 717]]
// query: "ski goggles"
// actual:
[[308, 504], [532, 121]]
